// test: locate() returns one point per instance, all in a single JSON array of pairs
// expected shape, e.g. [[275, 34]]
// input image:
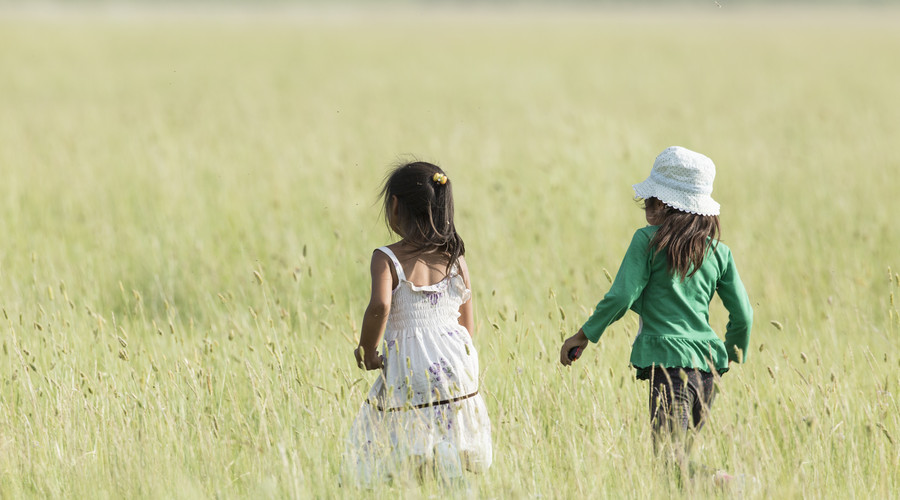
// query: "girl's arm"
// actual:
[[632, 277], [375, 318], [466, 311], [740, 312]]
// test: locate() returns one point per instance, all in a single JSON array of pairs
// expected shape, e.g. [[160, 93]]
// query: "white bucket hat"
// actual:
[[683, 180]]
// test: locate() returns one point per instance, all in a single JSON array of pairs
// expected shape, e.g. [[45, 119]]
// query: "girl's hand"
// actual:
[[577, 340], [368, 360]]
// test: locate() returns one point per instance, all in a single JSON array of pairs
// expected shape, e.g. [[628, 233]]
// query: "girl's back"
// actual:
[[674, 310], [422, 268], [428, 355], [428, 297], [667, 296]]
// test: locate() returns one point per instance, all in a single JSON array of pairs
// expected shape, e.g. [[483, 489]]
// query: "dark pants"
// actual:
[[680, 399], [679, 405]]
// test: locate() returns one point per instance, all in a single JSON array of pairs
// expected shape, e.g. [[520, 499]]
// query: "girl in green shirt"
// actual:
[[668, 277]]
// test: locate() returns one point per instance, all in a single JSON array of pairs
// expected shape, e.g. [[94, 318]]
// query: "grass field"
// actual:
[[188, 206]]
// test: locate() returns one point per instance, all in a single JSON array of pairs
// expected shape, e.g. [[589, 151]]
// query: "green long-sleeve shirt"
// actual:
[[675, 329]]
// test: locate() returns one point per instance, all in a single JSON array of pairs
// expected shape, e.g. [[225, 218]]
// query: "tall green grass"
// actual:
[[188, 206]]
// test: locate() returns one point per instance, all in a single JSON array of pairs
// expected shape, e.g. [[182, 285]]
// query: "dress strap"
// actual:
[[387, 251]]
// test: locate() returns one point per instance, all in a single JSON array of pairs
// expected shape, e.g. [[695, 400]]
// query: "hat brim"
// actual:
[[699, 204]]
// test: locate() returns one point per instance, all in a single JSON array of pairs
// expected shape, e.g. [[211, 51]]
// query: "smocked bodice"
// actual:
[[428, 306], [433, 305]]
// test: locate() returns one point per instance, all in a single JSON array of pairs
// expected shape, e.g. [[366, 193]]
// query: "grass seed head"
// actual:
[[885, 432]]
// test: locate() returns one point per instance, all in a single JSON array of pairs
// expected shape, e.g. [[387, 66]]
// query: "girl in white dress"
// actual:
[[424, 414]]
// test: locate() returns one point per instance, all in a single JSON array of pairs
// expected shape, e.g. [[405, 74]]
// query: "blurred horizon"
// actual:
[[788, 10], [444, 3]]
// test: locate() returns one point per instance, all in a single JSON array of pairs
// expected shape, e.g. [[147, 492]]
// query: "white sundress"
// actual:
[[424, 409]]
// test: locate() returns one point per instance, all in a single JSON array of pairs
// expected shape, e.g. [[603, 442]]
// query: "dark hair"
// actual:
[[685, 237], [425, 208]]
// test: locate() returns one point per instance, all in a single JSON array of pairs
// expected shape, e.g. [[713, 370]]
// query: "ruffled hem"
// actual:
[[675, 352], [450, 438], [692, 203]]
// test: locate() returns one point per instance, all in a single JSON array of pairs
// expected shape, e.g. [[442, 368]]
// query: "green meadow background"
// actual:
[[188, 204]]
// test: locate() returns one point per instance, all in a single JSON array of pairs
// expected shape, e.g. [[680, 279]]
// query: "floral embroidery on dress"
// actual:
[[435, 371], [439, 369], [443, 417]]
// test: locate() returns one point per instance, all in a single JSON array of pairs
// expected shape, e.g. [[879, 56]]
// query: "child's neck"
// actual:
[[410, 248]]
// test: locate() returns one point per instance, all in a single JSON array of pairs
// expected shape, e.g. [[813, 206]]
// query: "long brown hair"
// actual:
[[684, 237], [425, 209]]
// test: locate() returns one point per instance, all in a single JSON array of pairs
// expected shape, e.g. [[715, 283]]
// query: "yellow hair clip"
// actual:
[[439, 178]]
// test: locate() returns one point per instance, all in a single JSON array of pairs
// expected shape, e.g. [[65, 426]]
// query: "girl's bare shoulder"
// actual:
[[380, 262], [464, 270]]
